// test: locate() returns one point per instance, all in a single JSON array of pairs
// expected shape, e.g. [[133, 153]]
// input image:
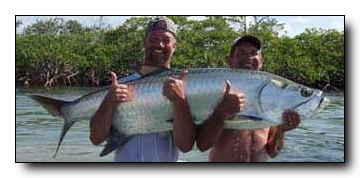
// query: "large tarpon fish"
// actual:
[[268, 95]]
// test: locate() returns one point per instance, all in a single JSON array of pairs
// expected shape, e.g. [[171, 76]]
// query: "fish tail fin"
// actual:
[[65, 129], [53, 106]]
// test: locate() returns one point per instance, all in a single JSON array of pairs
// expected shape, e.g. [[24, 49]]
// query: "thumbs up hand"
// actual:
[[113, 78], [173, 88], [119, 92], [232, 102]]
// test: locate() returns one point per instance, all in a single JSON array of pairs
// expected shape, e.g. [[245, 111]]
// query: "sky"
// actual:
[[294, 25]]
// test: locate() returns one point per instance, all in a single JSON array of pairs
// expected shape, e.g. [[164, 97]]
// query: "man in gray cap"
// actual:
[[160, 44], [242, 145]]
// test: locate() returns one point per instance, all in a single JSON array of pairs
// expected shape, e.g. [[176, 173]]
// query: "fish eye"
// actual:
[[306, 92]]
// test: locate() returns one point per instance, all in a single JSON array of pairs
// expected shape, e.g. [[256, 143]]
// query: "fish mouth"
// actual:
[[298, 105], [324, 101], [321, 105], [306, 101]]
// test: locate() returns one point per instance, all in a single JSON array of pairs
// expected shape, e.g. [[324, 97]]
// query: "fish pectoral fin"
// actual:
[[248, 117], [113, 142], [170, 121]]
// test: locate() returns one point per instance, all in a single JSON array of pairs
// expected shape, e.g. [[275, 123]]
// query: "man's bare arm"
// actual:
[[210, 131], [101, 121]]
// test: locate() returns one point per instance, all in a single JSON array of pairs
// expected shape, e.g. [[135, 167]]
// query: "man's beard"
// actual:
[[250, 65], [156, 57], [247, 66]]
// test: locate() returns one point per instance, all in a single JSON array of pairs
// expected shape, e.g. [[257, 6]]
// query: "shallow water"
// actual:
[[318, 139]]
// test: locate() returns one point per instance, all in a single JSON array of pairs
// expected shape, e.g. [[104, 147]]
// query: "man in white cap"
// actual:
[[160, 44]]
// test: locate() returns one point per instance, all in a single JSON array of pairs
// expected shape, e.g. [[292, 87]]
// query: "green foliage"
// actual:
[[58, 52]]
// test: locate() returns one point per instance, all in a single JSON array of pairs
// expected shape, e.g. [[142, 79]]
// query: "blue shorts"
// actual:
[[156, 147]]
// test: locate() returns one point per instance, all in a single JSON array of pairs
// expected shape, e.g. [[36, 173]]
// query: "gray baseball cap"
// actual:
[[248, 39], [161, 23]]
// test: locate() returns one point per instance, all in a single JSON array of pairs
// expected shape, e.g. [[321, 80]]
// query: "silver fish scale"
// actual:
[[150, 111], [267, 96], [147, 112]]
